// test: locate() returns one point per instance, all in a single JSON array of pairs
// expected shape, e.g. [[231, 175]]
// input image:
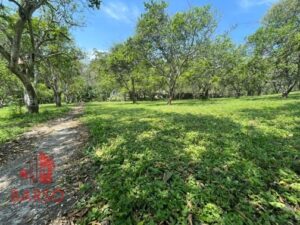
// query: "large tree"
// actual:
[[170, 43], [278, 41], [19, 43]]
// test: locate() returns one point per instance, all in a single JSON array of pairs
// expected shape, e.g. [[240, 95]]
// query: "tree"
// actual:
[[211, 67], [256, 75], [170, 43], [19, 45], [125, 64], [99, 77], [60, 69], [278, 40]]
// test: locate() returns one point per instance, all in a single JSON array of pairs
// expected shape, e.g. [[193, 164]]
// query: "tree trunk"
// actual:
[[133, 94], [250, 92], [170, 100], [259, 91], [285, 94], [30, 98], [171, 95], [171, 92], [57, 98], [206, 94]]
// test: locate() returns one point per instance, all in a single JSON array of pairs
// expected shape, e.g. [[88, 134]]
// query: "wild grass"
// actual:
[[13, 122], [221, 161]]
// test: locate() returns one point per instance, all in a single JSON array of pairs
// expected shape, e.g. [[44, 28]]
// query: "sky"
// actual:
[[116, 20]]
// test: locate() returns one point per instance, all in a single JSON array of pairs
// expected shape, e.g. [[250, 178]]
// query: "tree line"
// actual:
[[169, 56], [182, 56]]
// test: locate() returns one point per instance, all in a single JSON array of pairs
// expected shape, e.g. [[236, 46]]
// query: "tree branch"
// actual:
[[16, 3]]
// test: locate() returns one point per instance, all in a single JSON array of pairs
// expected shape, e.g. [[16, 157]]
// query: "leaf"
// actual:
[[277, 205]]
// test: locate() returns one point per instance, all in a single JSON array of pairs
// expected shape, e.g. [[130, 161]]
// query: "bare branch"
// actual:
[[16, 3]]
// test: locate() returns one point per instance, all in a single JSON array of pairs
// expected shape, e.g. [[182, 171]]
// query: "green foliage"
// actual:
[[45, 94], [222, 161], [211, 214], [100, 78], [10, 88], [14, 122], [170, 43], [277, 42]]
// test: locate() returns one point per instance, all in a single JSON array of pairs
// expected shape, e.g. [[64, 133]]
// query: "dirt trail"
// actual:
[[61, 140]]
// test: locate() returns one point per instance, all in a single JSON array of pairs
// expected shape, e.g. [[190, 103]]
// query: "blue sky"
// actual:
[[116, 20]]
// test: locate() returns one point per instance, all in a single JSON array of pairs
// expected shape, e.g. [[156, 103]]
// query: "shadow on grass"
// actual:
[[169, 168]]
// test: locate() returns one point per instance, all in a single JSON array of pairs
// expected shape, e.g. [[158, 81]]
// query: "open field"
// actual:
[[12, 123], [221, 161]]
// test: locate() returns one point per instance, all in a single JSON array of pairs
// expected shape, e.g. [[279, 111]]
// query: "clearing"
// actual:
[[221, 161]]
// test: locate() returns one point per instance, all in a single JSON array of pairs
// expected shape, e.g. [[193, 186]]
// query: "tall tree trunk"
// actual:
[[30, 96]]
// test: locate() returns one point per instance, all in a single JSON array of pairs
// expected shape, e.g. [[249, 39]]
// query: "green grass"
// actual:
[[13, 124], [222, 161]]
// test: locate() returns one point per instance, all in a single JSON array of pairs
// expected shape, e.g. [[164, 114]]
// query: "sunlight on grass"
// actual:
[[222, 161], [12, 123]]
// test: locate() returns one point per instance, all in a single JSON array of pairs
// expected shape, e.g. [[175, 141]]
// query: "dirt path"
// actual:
[[24, 200]]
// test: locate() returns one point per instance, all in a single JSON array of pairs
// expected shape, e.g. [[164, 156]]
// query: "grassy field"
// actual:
[[221, 161], [13, 123]]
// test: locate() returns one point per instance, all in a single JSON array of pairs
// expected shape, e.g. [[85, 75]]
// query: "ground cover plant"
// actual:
[[222, 161], [13, 120]]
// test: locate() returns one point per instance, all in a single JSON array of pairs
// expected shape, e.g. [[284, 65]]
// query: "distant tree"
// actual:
[[170, 43], [58, 71], [99, 77], [210, 67], [256, 75], [125, 63]]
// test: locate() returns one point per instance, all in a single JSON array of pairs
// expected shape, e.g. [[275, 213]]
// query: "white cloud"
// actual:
[[121, 12], [251, 3], [92, 53]]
